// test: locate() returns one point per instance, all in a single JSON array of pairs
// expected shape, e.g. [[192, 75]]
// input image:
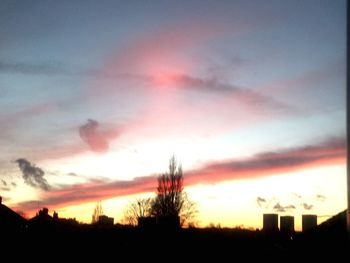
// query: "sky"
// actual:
[[96, 96]]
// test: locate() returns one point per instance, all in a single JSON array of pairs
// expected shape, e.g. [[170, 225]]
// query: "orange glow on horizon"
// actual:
[[110, 193], [219, 203]]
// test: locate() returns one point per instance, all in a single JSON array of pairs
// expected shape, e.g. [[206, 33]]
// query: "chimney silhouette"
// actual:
[[309, 222], [287, 224], [55, 215], [270, 222]]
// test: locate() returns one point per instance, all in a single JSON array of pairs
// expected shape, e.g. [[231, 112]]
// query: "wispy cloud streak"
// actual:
[[38, 68], [81, 193], [47, 68]]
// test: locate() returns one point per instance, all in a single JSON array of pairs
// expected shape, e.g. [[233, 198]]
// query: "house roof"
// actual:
[[8, 217]]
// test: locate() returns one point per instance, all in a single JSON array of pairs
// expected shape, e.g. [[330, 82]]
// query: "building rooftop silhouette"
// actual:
[[9, 219]]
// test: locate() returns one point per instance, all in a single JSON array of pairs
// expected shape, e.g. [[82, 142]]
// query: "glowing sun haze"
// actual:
[[97, 95]]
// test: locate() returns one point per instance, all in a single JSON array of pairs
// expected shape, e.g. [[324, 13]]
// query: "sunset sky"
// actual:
[[96, 96]]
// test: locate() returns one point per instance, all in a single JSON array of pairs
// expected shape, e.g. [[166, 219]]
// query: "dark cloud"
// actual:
[[289, 207], [320, 197], [263, 202], [13, 184], [280, 208], [91, 135], [32, 175], [4, 186], [307, 206], [260, 200]]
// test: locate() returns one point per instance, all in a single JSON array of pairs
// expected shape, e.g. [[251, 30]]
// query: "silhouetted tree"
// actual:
[[138, 209], [189, 211], [98, 211], [169, 200]]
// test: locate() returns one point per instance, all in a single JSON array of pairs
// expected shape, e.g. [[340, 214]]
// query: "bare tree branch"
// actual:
[[137, 209], [98, 211]]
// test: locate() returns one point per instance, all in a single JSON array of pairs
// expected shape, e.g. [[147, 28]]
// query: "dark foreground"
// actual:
[[86, 242], [44, 239]]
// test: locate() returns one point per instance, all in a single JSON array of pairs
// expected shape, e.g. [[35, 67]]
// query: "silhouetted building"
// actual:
[[309, 222], [43, 212], [287, 224], [55, 215], [270, 222], [105, 220], [42, 220], [9, 219]]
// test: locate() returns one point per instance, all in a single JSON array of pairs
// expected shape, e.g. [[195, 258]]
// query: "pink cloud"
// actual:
[[330, 152], [154, 56], [89, 192], [165, 50], [159, 68], [91, 135], [189, 102], [161, 71]]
